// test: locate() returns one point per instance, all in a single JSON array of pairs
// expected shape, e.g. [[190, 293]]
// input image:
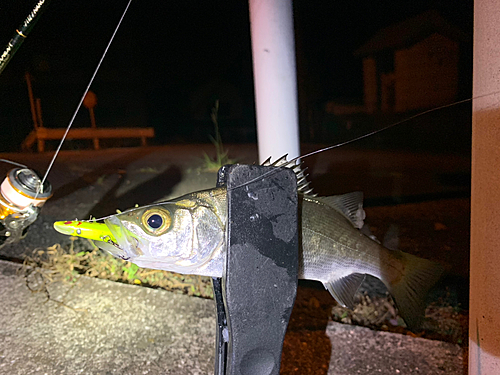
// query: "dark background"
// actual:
[[165, 50]]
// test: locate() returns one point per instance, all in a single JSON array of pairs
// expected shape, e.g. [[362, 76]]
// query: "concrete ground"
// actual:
[[101, 327]]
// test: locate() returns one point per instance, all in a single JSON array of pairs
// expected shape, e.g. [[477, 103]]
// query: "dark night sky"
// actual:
[[165, 49]]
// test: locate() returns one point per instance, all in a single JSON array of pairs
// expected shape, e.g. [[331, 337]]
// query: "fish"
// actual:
[[187, 235]]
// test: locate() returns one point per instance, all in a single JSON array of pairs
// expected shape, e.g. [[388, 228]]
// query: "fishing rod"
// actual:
[[23, 192], [22, 33]]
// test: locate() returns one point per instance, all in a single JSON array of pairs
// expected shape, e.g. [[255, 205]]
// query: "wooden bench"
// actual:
[[41, 134]]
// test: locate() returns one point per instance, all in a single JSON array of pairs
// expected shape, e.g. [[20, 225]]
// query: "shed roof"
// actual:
[[409, 32]]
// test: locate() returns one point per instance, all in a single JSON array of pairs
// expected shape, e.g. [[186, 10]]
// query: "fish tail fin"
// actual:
[[410, 290]]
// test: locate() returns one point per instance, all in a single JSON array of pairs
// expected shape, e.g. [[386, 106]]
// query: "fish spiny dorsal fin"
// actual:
[[350, 205], [302, 183], [267, 162]]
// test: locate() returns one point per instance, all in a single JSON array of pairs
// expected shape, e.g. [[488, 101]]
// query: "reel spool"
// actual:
[[21, 198]]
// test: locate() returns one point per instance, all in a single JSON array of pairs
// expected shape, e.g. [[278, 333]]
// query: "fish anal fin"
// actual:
[[350, 205], [344, 288]]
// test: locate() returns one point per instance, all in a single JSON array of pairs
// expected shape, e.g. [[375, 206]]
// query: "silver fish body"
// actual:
[[187, 235], [195, 243]]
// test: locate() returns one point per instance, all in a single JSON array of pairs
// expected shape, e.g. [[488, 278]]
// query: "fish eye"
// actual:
[[156, 221]]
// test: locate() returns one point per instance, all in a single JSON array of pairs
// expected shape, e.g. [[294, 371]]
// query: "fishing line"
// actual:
[[394, 124], [293, 162], [83, 97], [13, 163]]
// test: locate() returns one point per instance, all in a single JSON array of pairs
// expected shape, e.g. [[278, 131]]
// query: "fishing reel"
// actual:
[[21, 197]]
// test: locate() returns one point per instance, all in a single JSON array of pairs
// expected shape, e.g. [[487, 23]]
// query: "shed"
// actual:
[[412, 65]]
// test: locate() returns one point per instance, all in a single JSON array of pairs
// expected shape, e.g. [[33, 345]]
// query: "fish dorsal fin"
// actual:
[[344, 288], [350, 205], [302, 183]]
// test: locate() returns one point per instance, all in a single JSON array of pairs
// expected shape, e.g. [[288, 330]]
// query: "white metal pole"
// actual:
[[275, 78], [484, 315]]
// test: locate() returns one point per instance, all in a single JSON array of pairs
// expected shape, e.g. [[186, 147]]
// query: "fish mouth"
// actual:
[[110, 236]]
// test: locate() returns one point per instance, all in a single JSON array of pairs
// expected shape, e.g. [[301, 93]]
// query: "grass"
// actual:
[[221, 154], [443, 320], [84, 258]]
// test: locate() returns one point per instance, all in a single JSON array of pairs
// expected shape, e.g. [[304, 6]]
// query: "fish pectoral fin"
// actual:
[[344, 288]]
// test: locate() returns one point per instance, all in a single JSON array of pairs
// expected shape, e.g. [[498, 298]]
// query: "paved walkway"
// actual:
[[102, 327]]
